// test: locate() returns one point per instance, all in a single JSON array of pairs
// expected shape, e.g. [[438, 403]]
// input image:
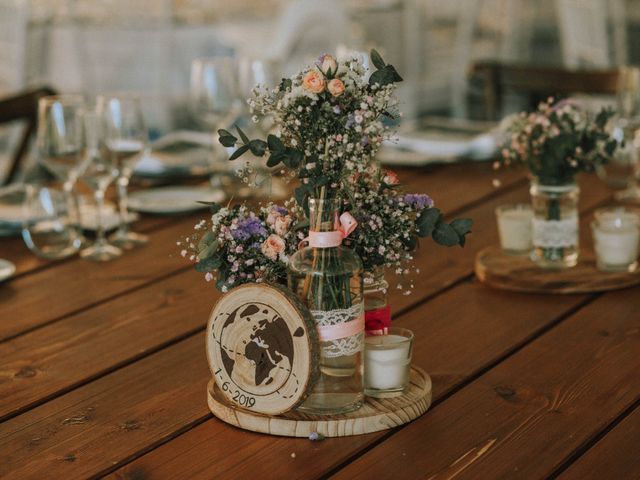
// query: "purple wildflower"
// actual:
[[364, 141], [417, 200], [337, 109], [249, 227], [280, 210], [350, 120]]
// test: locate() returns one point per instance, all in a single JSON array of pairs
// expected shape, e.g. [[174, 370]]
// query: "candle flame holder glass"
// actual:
[[616, 235], [514, 228], [387, 361]]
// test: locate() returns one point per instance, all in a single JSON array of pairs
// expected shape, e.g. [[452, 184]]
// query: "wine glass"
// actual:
[[214, 102], [58, 136], [253, 72], [125, 139], [98, 172], [629, 125], [50, 230]]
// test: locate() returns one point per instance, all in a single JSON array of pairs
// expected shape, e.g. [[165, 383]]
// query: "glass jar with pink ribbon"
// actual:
[[328, 278]]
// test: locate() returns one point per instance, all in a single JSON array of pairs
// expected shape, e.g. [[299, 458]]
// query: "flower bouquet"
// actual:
[[347, 217], [555, 142]]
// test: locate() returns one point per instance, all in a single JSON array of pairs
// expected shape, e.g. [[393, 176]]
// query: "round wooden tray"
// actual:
[[375, 415], [520, 274]]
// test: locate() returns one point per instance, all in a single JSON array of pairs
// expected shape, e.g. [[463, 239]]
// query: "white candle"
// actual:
[[387, 359], [514, 228], [616, 237]]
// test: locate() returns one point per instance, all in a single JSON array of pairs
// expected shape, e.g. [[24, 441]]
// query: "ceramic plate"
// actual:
[[173, 199], [6, 269]]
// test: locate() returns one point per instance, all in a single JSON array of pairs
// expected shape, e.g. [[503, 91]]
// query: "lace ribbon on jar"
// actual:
[[342, 330], [555, 233]]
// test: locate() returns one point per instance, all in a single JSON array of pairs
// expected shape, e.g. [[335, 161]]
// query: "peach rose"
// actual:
[[313, 81], [328, 64], [273, 246], [336, 87], [391, 177], [282, 224]]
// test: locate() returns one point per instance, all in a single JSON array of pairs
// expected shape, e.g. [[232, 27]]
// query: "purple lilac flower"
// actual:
[[248, 228], [417, 200], [280, 210]]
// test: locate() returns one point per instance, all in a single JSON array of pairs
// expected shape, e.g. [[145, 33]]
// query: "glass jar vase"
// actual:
[[328, 278], [377, 311], [555, 224]]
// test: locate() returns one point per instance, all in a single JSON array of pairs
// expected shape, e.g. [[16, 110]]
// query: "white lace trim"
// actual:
[[341, 346], [555, 233]]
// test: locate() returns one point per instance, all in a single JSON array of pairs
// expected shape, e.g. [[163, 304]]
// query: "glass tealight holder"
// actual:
[[515, 227], [616, 237], [387, 361]]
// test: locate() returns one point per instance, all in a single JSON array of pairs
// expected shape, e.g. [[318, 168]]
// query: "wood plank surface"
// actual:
[[614, 456], [104, 370], [525, 416], [457, 335]]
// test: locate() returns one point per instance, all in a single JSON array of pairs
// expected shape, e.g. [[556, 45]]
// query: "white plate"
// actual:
[[6, 269], [173, 199]]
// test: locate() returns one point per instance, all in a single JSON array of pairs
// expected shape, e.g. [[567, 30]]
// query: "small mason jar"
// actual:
[[555, 224]]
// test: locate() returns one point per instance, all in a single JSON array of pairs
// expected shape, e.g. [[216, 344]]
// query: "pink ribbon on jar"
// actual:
[[345, 225]]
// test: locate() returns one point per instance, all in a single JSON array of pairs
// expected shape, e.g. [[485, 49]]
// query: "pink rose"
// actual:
[[282, 224], [273, 246], [313, 81], [391, 178], [328, 65], [336, 87], [273, 216]]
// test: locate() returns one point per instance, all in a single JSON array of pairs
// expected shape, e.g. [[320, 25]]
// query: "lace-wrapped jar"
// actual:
[[555, 224], [328, 279]]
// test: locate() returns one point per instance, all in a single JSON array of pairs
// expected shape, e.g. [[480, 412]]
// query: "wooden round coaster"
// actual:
[[520, 274], [375, 415], [262, 348]]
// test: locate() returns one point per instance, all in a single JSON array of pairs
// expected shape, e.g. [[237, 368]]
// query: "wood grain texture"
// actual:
[[457, 334], [53, 293], [519, 274], [43, 363], [375, 415], [614, 456], [525, 416], [263, 348]]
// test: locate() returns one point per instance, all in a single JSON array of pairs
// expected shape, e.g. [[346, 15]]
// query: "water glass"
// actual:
[[50, 229]]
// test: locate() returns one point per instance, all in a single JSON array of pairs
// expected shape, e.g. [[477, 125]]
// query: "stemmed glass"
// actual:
[[629, 124], [125, 139], [214, 101], [98, 172], [58, 140], [253, 72]]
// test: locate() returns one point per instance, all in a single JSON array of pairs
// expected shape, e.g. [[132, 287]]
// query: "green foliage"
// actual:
[[430, 223], [385, 73]]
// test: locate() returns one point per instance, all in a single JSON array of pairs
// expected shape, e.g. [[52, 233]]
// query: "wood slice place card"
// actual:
[[262, 348]]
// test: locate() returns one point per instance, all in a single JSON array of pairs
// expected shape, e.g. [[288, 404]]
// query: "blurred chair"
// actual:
[[23, 106], [538, 83], [584, 33]]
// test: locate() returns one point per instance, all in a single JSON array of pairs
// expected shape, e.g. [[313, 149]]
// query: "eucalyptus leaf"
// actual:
[[243, 135], [274, 143], [301, 224], [445, 234], [376, 59], [462, 225], [258, 147], [226, 138], [427, 220], [208, 264], [209, 250], [240, 151]]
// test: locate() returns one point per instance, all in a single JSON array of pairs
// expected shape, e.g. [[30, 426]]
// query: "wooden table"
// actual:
[[103, 369]]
